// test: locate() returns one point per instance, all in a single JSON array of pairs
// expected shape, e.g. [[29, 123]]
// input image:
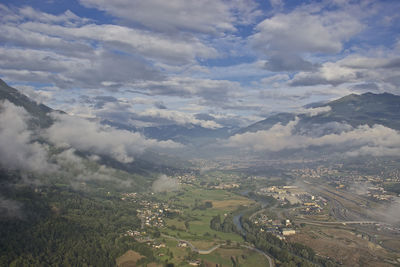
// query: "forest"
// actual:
[[66, 227]]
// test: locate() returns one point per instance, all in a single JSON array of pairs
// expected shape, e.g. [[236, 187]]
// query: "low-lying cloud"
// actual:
[[81, 134], [165, 184], [18, 148], [10, 209], [125, 113], [311, 112], [79, 170], [376, 140]]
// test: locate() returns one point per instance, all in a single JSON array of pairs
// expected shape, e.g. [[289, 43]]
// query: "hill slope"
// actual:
[[353, 109], [39, 112], [145, 164]]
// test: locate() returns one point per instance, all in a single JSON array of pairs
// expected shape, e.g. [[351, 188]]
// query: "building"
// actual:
[[287, 231]]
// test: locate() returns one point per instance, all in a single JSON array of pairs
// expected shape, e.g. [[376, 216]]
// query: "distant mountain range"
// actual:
[[353, 110], [184, 134], [193, 134]]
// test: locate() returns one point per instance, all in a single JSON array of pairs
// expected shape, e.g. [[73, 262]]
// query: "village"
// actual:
[[371, 186], [296, 197], [151, 212]]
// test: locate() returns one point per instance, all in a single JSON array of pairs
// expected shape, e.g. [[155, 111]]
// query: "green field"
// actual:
[[242, 257], [198, 221], [193, 225]]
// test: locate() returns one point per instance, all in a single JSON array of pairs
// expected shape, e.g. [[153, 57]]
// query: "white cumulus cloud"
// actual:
[[85, 135], [362, 140], [18, 148]]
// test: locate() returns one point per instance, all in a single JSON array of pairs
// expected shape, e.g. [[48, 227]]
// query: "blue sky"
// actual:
[[170, 62]]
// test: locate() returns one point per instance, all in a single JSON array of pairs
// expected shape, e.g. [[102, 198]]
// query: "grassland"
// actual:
[[241, 257], [129, 259], [197, 226], [342, 243], [193, 225]]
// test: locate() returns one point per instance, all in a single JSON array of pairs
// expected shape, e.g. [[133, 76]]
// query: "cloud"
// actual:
[[363, 62], [20, 14], [18, 149], [100, 101], [375, 150], [152, 45], [362, 140], [213, 92], [105, 70], [213, 53], [244, 70], [68, 17], [276, 3], [136, 111], [366, 72], [165, 184], [391, 213], [365, 87], [207, 16], [90, 136], [311, 112], [283, 38], [14, 35], [230, 120], [160, 105], [316, 130], [72, 52], [10, 209], [39, 96], [278, 137], [77, 169], [288, 62], [306, 31], [175, 117]]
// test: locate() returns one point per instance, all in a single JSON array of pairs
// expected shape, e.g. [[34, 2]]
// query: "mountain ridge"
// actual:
[[40, 112], [353, 109], [40, 118]]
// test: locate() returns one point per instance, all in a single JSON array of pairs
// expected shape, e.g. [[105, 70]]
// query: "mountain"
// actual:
[[367, 108], [39, 112], [353, 109], [146, 163], [184, 134], [190, 134], [282, 118]]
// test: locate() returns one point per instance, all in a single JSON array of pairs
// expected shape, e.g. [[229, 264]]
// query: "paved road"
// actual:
[[341, 222]]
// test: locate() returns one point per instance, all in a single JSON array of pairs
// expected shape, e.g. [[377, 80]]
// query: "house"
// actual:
[[182, 244], [288, 231]]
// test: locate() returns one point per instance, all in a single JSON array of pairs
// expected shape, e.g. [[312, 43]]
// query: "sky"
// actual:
[[211, 63]]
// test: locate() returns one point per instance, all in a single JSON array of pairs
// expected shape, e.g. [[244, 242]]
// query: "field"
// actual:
[[342, 244], [193, 225], [225, 256], [241, 257], [197, 228], [129, 259]]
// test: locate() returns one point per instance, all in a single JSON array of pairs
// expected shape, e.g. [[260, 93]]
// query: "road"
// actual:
[[340, 222]]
